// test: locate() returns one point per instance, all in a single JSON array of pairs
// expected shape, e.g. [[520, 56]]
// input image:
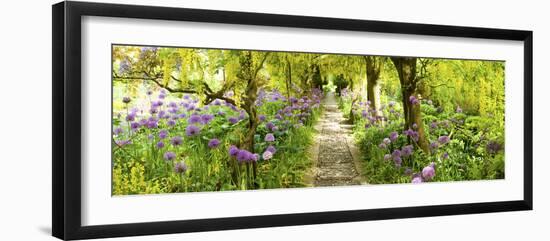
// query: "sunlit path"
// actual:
[[335, 165]]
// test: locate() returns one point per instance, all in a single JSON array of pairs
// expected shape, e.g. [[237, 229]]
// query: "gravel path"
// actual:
[[335, 163]]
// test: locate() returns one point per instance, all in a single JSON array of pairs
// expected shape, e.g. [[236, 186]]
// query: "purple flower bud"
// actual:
[[213, 143], [428, 172], [169, 156]]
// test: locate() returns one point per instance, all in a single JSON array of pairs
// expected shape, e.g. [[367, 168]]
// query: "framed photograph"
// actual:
[[171, 120]]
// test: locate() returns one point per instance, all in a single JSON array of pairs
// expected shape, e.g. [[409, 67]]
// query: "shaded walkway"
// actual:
[[335, 164]]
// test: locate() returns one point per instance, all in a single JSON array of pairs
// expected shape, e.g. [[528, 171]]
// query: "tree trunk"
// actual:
[[288, 79], [373, 66], [406, 69]]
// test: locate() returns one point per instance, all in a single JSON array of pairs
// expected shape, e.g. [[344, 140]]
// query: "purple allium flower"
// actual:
[[269, 137], [261, 117], [443, 140], [192, 130], [396, 156], [117, 131], [171, 123], [131, 116], [271, 149], [221, 113], [415, 126], [269, 125], [416, 179], [157, 103], [445, 155], [233, 120], [233, 151], [163, 134], [407, 150], [393, 136], [134, 125], [386, 141], [213, 143], [180, 167], [428, 172], [413, 100], [194, 119], [160, 144], [387, 157], [433, 125], [206, 118], [176, 141], [408, 171], [267, 155], [150, 136], [152, 124], [382, 145], [243, 155], [275, 128], [169, 156], [126, 100], [254, 157]]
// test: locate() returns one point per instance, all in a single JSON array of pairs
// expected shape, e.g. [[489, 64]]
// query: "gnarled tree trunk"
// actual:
[[406, 69], [373, 66]]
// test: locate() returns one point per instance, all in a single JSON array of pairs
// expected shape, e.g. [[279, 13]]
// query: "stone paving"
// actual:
[[335, 163]]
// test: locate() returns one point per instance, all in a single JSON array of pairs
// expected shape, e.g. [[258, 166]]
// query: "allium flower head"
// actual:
[[428, 172], [213, 143], [163, 134], [387, 157], [193, 119], [413, 100], [396, 156], [117, 131], [261, 117], [393, 136], [407, 150], [382, 145], [233, 151], [180, 167], [443, 140], [206, 118], [267, 155], [176, 141], [271, 149], [243, 156], [386, 141], [160, 144], [192, 130], [269, 137], [169, 156], [233, 120]]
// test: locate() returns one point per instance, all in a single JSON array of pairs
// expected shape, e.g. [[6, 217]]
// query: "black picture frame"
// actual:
[[66, 167]]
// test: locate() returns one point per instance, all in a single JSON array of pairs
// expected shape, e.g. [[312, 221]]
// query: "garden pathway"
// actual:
[[336, 165]]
